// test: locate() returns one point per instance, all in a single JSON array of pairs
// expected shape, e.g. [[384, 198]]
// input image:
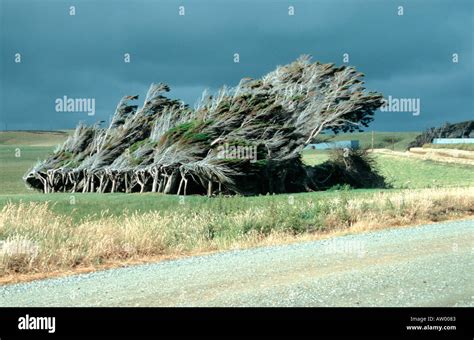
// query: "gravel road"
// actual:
[[431, 265]]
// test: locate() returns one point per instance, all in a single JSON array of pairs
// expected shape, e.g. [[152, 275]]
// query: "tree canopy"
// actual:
[[168, 147]]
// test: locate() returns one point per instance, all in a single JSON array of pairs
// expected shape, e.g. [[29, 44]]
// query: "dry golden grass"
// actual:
[[436, 155], [38, 242], [444, 152]]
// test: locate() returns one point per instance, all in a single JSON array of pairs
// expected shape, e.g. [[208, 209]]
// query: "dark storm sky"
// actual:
[[81, 56]]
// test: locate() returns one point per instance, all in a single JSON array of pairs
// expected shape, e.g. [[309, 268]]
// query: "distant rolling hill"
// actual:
[[33, 137], [382, 140], [389, 140]]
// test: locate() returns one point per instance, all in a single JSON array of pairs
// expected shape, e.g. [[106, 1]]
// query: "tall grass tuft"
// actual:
[[36, 240]]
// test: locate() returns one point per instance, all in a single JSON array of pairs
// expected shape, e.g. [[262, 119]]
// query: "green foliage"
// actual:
[[180, 129], [189, 132], [261, 163], [297, 97], [134, 147], [239, 142], [196, 137], [390, 140], [340, 187]]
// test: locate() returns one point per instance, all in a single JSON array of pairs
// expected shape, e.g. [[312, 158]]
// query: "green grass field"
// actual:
[[408, 173], [91, 229], [15, 160], [402, 173], [96, 206]]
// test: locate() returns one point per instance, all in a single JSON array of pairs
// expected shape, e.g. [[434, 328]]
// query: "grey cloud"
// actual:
[[82, 55]]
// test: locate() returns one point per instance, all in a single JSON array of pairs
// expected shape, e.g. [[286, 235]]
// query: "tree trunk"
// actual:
[[180, 185], [44, 182], [169, 183], [160, 184], [140, 181], [64, 180], [114, 183], [92, 183], [101, 183], [155, 182], [85, 185], [106, 183], [209, 188]]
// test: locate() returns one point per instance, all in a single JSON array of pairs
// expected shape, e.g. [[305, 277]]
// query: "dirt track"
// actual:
[[437, 155], [430, 265]]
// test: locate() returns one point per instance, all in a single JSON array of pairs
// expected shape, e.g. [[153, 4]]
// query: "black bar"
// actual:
[[292, 323]]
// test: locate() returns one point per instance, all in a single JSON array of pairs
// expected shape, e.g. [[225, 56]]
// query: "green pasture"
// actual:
[[17, 158]]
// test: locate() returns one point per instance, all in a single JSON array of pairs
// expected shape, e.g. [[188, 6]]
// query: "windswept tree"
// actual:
[[447, 130], [245, 140]]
